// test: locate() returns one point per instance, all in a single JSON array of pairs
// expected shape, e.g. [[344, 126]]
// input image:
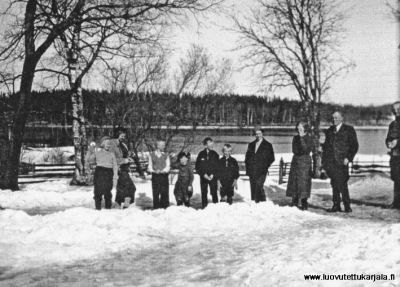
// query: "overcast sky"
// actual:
[[371, 43]]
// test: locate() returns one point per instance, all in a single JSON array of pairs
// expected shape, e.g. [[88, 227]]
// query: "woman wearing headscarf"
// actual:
[[125, 189]]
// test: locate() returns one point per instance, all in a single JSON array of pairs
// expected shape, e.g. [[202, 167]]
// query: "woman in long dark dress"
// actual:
[[125, 189], [299, 184]]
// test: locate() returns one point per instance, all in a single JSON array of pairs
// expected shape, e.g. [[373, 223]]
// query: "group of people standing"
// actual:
[[217, 174]]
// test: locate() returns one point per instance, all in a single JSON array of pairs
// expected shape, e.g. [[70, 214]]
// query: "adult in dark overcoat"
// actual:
[[339, 149], [259, 157], [393, 144], [299, 183], [207, 166]]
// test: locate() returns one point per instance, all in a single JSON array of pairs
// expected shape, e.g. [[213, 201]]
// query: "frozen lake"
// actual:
[[371, 140]]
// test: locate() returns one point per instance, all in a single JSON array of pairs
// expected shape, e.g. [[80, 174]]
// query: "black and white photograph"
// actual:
[[200, 143]]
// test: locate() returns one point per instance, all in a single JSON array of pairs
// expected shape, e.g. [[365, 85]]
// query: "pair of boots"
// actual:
[[97, 203], [304, 203], [227, 199]]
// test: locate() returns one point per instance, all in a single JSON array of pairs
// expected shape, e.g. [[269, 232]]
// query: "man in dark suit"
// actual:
[[339, 149], [259, 157], [393, 144], [207, 166]]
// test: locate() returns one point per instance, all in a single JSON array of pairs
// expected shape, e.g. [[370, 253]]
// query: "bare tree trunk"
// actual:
[[313, 118], [78, 124], [4, 150], [79, 135], [9, 176], [135, 156], [262, 113], [251, 114], [247, 114], [240, 115]]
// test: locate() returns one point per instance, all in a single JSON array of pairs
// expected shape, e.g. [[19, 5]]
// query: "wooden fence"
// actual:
[[356, 169], [280, 169]]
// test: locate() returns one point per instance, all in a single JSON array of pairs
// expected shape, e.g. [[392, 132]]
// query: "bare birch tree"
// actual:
[[33, 27]]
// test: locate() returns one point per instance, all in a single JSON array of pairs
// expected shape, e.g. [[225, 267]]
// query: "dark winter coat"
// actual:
[[257, 163], [207, 164], [339, 145], [228, 170], [125, 186], [394, 133], [185, 179], [299, 184]]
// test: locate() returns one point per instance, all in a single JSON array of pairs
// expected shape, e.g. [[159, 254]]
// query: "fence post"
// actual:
[[281, 166]]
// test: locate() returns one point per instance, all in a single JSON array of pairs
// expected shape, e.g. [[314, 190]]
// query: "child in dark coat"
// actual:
[[183, 188], [228, 173]]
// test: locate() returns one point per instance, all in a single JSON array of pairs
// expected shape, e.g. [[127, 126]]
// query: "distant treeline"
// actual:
[[54, 107]]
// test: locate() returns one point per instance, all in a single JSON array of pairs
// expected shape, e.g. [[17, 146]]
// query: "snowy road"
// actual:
[[239, 245]]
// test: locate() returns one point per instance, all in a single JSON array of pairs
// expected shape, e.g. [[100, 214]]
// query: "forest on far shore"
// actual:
[[104, 108]]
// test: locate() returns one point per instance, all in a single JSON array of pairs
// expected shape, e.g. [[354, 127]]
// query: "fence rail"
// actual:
[[280, 169], [58, 170]]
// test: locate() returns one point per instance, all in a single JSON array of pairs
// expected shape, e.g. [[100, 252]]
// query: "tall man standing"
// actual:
[[393, 143], [259, 157], [339, 149], [206, 167]]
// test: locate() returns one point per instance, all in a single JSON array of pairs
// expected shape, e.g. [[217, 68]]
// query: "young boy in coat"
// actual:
[[206, 167], [228, 173], [183, 188]]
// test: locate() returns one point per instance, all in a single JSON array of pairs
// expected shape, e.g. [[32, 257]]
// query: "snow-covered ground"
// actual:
[[68, 243]]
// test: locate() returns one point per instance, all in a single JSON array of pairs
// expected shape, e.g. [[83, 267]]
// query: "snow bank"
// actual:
[[273, 245], [47, 195]]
